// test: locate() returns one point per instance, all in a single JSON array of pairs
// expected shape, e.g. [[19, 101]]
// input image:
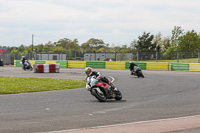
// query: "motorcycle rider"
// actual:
[[23, 61], [131, 67], [98, 75]]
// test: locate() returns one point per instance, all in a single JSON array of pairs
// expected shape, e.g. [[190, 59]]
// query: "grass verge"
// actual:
[[12, 85]]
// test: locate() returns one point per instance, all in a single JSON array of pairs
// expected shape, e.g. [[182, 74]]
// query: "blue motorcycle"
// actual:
[[137, 72]]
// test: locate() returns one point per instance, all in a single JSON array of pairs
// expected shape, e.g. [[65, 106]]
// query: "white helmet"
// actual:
[[88, 71]]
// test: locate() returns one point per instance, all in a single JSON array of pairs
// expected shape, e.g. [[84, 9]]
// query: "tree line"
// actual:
[[179, 40]]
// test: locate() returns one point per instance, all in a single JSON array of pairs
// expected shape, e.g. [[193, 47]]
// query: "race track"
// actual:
[[160, 95]]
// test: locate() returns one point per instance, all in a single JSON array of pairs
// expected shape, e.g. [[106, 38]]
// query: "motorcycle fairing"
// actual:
[[103, 85]]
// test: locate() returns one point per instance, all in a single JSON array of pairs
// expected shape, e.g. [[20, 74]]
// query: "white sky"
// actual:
[[114, 21]]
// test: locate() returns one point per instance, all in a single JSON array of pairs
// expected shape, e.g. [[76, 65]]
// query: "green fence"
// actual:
[[63, 64], [141, 64], [179, 67], [18, 63], [95, 64]]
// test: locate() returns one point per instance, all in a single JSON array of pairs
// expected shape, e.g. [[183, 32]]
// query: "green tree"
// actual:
[[21, 48], [189, 42], [92, 45], [39, 48], [48, 47], [166, 44], [158, 40], [145, 43], [176, 33], [133, 44]]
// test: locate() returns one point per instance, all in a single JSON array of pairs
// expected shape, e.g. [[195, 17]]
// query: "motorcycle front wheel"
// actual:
[[140, 74], [100, 96], [118, 95]]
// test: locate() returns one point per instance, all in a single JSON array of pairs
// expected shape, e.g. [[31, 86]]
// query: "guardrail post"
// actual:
[[156, 55], [177, 56]]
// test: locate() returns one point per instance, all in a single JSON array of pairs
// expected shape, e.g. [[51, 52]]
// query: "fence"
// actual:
[[155, 56]]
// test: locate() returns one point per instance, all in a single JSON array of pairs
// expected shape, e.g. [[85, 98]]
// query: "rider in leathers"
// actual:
[[98, 75], [131, 67], [23, 61]]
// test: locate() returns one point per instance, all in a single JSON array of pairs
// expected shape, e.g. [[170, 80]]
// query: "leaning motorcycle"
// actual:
[[27, 66], [101, 90], [137, 72]]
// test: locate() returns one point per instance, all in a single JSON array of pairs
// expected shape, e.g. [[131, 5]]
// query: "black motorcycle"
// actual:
[[137, 72], [101, 90], [27, 66]]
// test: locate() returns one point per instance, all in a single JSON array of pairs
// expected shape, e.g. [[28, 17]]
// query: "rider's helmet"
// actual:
[[88, 71], [23, 57], [131, 62]]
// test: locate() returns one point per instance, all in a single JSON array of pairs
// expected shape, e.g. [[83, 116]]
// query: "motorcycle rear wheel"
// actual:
[[100, 97]]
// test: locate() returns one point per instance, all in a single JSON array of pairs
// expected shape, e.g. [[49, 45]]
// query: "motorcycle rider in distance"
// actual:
[[131, 67], [23, 61], [98, 75]]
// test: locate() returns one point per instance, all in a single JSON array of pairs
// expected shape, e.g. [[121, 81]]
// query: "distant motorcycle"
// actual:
[[27, 66], [137, 72], [101, 90]]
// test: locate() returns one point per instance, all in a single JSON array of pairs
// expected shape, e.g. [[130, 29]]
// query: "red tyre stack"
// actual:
[[46, 68], [40, 68], [52, 68]]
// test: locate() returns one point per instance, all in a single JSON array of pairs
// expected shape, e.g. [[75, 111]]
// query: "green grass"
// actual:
[[12, 85]]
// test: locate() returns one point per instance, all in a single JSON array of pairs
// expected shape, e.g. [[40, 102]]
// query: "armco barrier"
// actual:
[[17, 63], [194, 67], [76, 64], [50, 62], [179, 66], [141, 64], [115, 65], [157, 66], [95, 64], [118, 65], [40, 62], [32, 62], [63, 64]]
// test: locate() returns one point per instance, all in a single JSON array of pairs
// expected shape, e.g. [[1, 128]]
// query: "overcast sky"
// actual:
[[114, 21]]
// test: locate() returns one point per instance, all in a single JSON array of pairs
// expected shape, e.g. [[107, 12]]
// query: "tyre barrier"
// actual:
[[46, 68]]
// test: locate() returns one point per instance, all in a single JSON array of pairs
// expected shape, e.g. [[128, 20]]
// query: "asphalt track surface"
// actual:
[[161, 95]]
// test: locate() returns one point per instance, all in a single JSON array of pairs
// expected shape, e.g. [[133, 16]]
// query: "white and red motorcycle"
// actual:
[[101, 90]]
